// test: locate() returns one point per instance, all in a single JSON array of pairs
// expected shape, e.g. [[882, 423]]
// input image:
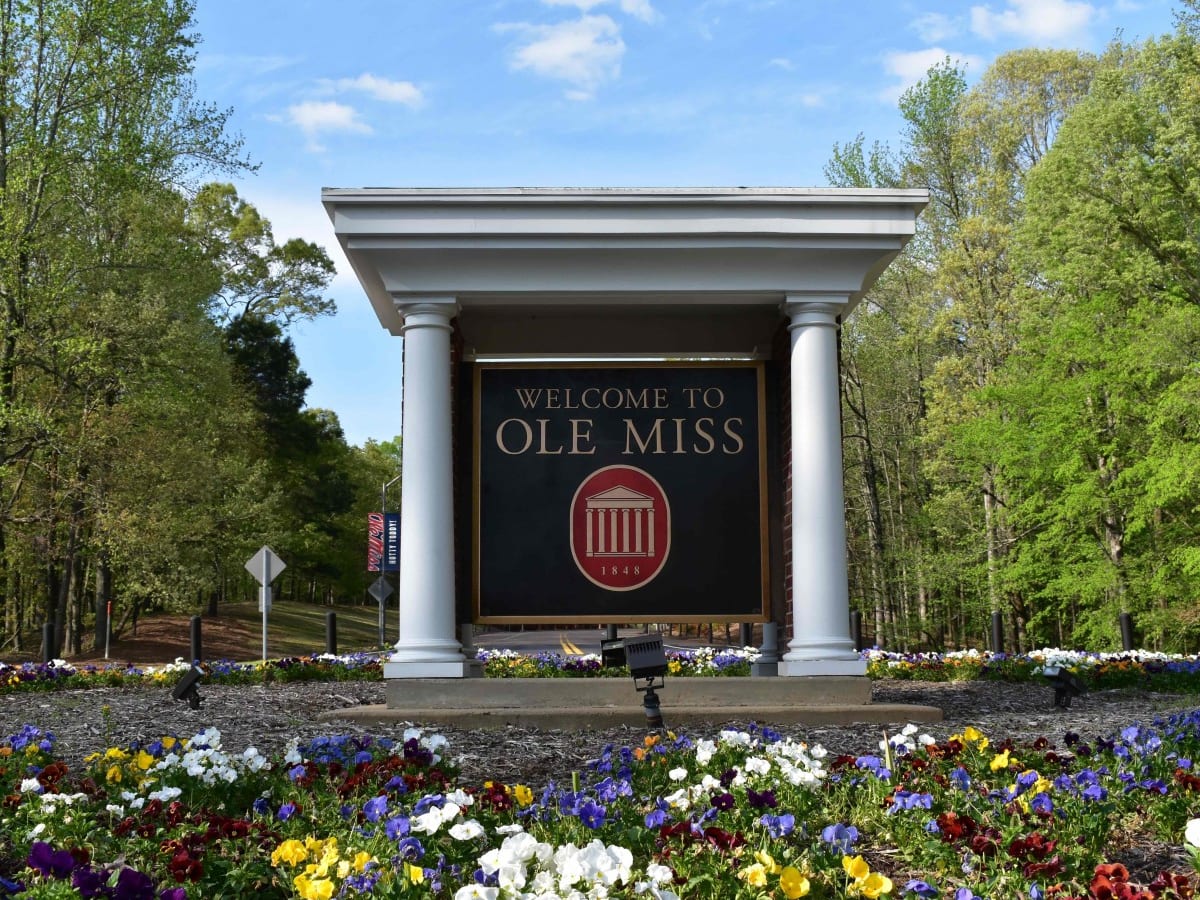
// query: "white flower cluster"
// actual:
[[794, 761], [534, 870], [205, 760], [904, 742]]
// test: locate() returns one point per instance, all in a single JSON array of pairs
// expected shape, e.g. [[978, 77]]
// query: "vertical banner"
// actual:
[[391, 542], [374, 542]]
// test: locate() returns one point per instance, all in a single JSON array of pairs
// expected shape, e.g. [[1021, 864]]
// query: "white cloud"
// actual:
[[909, 68], [1043, 21], [934, 27], [381, 89], [780, 62], [584, 52], [314, 117], [639, 9]]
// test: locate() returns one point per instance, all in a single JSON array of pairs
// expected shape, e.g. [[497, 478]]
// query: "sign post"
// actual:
[[381, 590], [265, 566]]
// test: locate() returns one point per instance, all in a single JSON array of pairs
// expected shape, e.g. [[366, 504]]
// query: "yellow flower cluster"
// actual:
[[323, 864], [864, 882], [792, 882], [971, 736], [121, 765]]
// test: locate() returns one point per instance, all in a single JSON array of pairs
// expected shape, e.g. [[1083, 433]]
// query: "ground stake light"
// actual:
[[185, 688], [647, 661], [1065, 685]]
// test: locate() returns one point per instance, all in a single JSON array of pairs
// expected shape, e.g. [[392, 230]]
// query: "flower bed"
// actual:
[[740, 813], [1153, 671]]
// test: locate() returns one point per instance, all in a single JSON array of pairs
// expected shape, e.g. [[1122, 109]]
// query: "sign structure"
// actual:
[[627, 493], [383, 542]]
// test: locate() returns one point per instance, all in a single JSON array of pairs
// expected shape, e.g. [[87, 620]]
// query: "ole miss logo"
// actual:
[[620, 528]]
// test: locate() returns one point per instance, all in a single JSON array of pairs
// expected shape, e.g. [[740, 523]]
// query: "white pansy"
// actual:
[[735, 738], [678, 774], [756, 765], [461, 797], [465, 831], [514, 828], [660, 874], [31, 786], [681, 799], [476, 892], [1191, 833], [704, 751]]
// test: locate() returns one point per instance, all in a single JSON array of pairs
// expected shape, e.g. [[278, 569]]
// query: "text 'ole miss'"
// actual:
[[663, 435]]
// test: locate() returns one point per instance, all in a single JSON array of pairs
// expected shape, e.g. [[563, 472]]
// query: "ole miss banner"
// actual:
[[383, 542], [633, 494]]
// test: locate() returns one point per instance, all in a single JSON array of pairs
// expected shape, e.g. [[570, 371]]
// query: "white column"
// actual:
[[821, 643], [428, 645]]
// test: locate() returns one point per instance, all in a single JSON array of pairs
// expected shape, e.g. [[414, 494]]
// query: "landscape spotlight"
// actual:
[[647, 661], [185, 688], [1065, 685], [612, 653]]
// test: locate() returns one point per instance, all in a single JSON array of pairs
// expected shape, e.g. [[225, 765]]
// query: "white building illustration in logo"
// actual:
[[620, 522]]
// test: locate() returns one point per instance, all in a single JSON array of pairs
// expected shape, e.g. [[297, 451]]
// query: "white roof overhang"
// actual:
[[628, 271]]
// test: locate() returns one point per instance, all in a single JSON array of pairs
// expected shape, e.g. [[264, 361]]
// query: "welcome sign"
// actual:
[[619, 494]]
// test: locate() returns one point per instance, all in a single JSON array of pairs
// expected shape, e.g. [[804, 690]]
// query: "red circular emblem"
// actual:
[[620, 528]]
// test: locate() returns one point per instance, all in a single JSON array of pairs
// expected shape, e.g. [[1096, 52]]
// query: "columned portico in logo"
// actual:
[[629, 275]]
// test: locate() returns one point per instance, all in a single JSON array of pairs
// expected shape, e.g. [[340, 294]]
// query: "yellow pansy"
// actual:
[[856, 867], [291, 852], [793, 883], [361, 858], [144, 760], [115, 753], [416, 875], [755, 875], [523, 794], [169, 743], [313, 888], [874, 885], [767, 861], [113, 774], [1001, 762]]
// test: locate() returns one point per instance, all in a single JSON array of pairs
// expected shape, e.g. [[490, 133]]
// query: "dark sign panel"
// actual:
[[632, 494]]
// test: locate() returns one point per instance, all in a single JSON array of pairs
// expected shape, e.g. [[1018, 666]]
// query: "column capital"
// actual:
[[426, 312], [813, 309]]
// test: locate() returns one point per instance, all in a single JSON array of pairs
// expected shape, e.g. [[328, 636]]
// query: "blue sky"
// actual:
[[591, 93]]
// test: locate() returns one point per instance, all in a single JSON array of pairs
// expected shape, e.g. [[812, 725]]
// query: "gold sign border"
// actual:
[[476, 510]]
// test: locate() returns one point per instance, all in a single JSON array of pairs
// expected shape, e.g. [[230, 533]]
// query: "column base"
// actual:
[[802, 668], [465, 668], [764, 669]]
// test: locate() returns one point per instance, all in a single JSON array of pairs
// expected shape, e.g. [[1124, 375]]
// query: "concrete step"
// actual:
[[582, 718]]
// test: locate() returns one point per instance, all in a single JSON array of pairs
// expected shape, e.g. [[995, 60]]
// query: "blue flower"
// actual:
[[840, 837], [779, 826], [592, 814], [396, 827], [375, 808], [920, 888], [410, 848], [286, 811]]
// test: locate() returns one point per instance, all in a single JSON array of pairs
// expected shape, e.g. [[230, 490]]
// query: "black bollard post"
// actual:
[[1126, 632], [331, 633], [997, 632], [47, 642], [610, 632], [856, 629], [197, 645], [746, 634]]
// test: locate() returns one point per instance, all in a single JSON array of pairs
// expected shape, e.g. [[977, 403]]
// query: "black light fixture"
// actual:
[[647, 661], [1065, 685], [186, 687], [612, 653]]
